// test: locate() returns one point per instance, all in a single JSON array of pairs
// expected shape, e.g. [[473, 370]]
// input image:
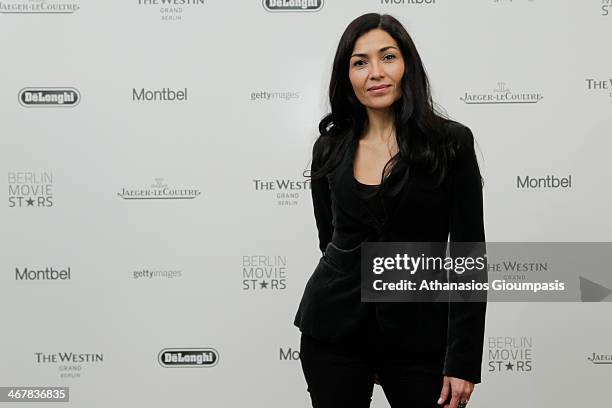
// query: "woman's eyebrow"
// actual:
[[383, 49]]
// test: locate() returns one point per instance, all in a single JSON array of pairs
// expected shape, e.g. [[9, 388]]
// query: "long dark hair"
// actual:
[[418, 123]]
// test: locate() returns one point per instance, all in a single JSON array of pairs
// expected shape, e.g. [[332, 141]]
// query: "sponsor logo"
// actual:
[[49, 273], [172, 10], [164, 94], [600, 358], [38, 7], [159, 191], [262, 272], [286, 192], [293, 5], [510, 354], [70, 365], [501, 95], [539, 183], [29, 189], [188, 357], [49, 97]]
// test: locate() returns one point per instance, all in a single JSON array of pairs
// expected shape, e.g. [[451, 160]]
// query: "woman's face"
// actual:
[[376, 69]]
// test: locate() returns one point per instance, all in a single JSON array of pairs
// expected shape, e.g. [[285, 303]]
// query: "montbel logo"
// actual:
[[30, 189], [188, 357], [510, 354], [69, 364], [606, 7], [603, 86], [286, 192], [549, 181], [162, 95], [293, 5], [263, 272], [289, 354], [600, 358], [171, 10], [38, 7], [159, 191], [49, 273], [49, 97], [501, 95], [408, 2]]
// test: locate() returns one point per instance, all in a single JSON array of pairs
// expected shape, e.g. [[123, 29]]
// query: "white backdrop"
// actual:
[[228, 161]]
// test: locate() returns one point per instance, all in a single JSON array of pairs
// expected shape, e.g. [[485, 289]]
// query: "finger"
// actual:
[[455, 399], [444, 392]]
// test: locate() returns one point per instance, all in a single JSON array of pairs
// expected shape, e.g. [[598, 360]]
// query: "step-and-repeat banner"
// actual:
[[157, 228]]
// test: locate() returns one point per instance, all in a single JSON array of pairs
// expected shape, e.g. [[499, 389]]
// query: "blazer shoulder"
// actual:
[[458, 134]]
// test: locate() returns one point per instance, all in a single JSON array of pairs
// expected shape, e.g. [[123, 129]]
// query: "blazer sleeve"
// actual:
[[321, 200], [466, 320]]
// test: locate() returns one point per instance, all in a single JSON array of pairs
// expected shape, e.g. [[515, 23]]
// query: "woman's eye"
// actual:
[[358, 63], [390, 55]]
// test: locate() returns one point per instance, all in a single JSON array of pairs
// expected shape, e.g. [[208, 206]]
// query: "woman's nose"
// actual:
[[376, 69]]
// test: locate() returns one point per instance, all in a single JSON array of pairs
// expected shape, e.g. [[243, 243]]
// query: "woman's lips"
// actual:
[[379, 90]]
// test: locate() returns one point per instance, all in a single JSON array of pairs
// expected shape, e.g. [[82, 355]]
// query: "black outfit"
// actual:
[[437, 338], [341, 374]]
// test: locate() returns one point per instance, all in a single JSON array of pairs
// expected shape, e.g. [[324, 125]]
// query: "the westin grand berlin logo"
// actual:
[[159, 191], [293, 5], [510, 354], [171, 10], [69, 364], [49, 97], [600, 86], [501, 95], [188, 357], [286, 192], [600, 358], [263, 272], [29, 189], [38, 7]]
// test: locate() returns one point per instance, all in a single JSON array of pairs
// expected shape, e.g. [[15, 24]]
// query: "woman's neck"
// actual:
[[379, 126]]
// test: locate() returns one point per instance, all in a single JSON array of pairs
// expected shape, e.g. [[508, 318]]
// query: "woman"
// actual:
[[387, 167]]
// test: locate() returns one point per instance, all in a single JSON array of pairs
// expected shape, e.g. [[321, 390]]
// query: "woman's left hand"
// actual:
[[459, 390]]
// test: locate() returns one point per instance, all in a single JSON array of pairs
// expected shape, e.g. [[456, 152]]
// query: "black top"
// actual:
[[370, 193]]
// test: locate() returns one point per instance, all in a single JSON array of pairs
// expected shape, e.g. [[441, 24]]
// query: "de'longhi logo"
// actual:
[[292, 5], [49, 97], [188, 357]]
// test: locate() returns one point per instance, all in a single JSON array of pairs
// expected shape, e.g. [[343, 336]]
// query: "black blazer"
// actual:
[[331, 307]]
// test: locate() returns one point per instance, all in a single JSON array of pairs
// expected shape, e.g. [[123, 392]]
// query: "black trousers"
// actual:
[[341, 374]]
